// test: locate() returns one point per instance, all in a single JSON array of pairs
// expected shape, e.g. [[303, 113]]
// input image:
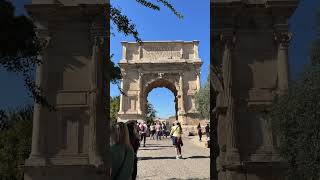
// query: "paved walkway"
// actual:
[[157, 161]]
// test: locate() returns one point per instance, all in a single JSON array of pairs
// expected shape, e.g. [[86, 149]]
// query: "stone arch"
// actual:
[[159, 82], [171, 64]]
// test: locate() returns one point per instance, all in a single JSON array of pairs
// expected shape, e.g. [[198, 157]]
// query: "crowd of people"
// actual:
[[126, 139]]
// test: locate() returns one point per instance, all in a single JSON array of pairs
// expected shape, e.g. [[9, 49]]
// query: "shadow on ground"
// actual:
[[189, 179], [172, 157]]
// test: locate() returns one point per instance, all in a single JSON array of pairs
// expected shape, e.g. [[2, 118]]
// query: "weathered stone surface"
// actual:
[[250, 40], [70, 143], [171, 64]]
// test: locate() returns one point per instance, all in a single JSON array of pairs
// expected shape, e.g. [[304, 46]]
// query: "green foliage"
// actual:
[[126, 26], [19, 49], [15, 142], [114, 108], [296, 119], [150, 113], [202, 100]]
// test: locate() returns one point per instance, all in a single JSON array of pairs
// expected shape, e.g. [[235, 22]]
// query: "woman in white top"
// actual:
[[176, 133]]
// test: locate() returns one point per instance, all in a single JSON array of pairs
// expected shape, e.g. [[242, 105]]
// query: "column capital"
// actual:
[[283, 38], [44, 38], [228, 38], [123, 74]]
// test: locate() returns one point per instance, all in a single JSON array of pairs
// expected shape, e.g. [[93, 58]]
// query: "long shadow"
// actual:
[[156, 146], [172, 157], [198, 157], [150, 149], [155, 158], [189, 179]]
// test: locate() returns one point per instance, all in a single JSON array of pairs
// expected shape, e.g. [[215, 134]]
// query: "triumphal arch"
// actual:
[[171, 64]]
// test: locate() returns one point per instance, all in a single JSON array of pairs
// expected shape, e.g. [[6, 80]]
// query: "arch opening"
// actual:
[[159, 83]]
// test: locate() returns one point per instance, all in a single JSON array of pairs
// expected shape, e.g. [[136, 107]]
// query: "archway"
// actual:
[[159, 83]]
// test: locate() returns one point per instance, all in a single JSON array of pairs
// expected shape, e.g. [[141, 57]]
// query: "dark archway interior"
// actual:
[[156, 84]]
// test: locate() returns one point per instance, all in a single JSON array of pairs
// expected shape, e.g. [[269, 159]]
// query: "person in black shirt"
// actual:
[[208, 131]]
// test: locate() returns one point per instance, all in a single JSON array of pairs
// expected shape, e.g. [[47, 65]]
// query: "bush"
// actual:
[[15, 142], [296, 119]]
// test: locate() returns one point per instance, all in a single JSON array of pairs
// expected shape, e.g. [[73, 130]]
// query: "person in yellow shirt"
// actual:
[[175, 133]]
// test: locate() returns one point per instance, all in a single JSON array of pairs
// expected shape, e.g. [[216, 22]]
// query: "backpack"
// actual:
[[142, 128]]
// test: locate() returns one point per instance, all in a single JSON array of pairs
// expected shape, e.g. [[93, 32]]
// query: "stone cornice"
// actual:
[[60, 12], [243, 13]]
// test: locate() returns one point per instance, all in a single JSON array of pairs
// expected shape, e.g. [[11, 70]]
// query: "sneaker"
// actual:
[[177, 157], [180, 156]]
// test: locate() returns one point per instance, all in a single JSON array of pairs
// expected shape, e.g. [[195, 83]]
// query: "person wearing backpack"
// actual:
[[175, 134], [143, 132], [122, 159]]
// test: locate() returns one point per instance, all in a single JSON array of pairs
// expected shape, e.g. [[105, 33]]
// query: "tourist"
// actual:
[[143, 132], [164, 129], [158, 131], [175, 133], [135, 143], [199, 132], [208, 131], [152, 131], [122, 153]]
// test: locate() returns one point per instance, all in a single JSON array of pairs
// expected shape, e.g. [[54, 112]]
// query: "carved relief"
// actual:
[[161, 53]]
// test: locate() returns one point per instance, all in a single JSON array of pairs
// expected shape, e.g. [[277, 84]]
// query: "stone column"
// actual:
[[183, 111], [124, 50], [232, 153], [198, 81], [195, 49], [121, 96], [37, 149], [283, 38], [139, 94]]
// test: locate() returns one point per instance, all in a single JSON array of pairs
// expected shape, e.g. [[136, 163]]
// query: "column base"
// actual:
[[83, 172], [35, 161], [232, 159]]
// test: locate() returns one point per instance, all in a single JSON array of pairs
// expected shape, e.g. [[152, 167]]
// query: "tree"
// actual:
[[296, 119], [15, 142], [114, 108], [150, 113], [202, 99], [19, 48]]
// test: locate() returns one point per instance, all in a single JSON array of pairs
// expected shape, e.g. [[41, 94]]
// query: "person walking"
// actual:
[[164, 129], [208, 131], [158, 131], [152, 130], [199, 132], [143, 133], [135, 143], [175, 133], [122, 153]]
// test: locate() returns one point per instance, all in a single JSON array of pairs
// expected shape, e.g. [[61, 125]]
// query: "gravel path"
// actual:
[[157, 161]]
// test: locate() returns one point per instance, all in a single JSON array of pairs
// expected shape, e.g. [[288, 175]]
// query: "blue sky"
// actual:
[[164, 25]]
